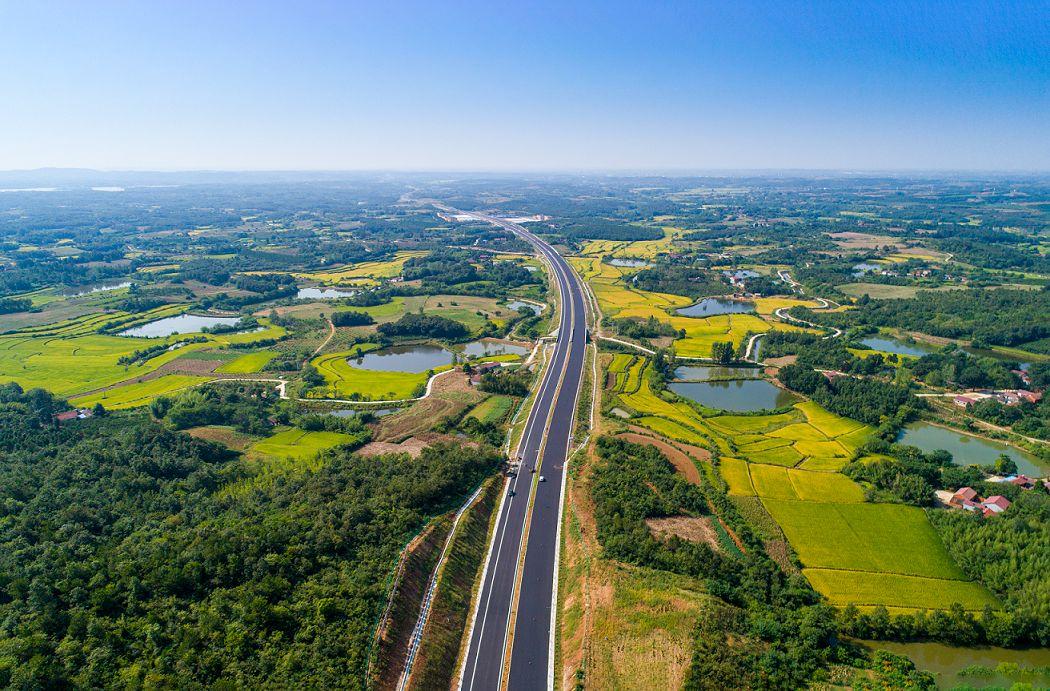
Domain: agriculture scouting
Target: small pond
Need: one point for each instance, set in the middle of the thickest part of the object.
(182, 324)
(709, 307)
(863, 268)
(947, 661)
(322, 294)
(967, 449)
(706, 372)
(98, 289)
(629, 263)
(415, 359)
(486, 348)
(888, 344)
(376, 412)
(515, 305)
(742, 395)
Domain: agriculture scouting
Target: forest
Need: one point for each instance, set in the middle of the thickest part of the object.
(124, 563)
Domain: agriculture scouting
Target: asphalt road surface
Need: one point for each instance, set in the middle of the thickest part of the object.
(544, 445)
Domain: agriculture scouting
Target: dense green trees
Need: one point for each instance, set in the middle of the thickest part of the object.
(352, 318)
(424, 325)
(996, 317)
(124, 563)
(868, 400)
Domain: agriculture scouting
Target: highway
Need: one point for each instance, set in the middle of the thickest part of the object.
(532, 509)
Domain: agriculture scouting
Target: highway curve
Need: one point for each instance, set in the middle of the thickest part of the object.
(544, 445)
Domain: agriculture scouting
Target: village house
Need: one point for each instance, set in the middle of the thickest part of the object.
(994, 504)
(76, 414)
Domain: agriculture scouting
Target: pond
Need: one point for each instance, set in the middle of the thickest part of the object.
(995, 354)
(484, 348)
(99, 289)
(376, 412)
(518, 304)
(706, 372)
(182, 324)
(414, 359)
(322, 294)
(742, 395)
(967, 449)
(888, 344)
(947, 661)
(629, 263)
(863, 268)
(709, 307)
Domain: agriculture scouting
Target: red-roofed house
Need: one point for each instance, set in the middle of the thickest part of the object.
(964, 498)
(995, 504)
(1023, 481)
(66, 416)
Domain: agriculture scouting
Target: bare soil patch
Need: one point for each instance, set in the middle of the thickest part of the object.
(781, 361)
(228, 437)
(692, 528)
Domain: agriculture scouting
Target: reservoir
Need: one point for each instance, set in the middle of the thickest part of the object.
(888, 344)
(741, 395)
(485, 348)
(967, 449)
(322, 294)
(709, 307)
(182, 324)
(708, 372)
(415, 359)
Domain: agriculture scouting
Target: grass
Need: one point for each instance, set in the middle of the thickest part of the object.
(139, 393)
(247, 364)
(298, 445)
(492, 409)
(882, 291)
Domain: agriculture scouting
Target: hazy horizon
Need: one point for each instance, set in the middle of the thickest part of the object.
(546, 88)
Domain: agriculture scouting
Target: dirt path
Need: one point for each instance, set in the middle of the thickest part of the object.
(331, 333)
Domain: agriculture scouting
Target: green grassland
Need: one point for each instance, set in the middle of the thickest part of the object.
(297, 444)
(492, 409)
(851, 550)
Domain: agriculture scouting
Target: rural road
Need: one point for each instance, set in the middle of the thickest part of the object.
(514, 615)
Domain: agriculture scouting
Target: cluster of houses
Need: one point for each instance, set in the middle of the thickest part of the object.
(1008, 397)
(967, 499)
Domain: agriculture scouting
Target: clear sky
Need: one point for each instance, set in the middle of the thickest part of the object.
(490, 85)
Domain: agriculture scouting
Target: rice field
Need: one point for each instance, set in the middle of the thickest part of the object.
(139, 393)
(852, 551)
(493, 409)
(247, 364)
(71, 357)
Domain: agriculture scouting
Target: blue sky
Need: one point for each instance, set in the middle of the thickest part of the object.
(525, 85)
